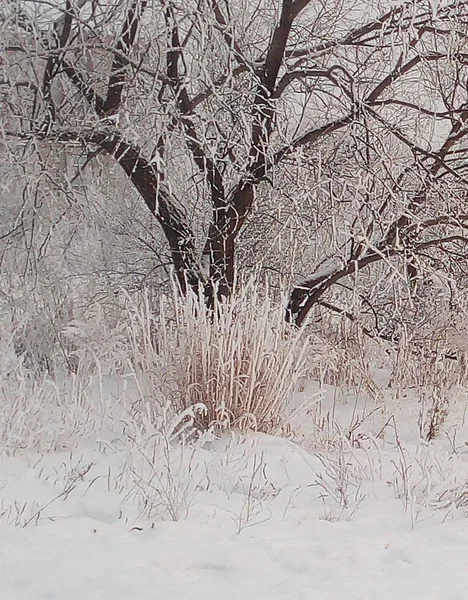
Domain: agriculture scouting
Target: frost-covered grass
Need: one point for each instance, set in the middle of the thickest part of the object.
(119, 479)
(239, 362)
(233, 367)
(144, 516)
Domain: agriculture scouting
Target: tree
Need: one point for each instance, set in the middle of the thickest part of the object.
(208, 105)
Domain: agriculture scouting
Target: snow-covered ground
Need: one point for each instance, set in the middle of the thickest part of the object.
(371, 514)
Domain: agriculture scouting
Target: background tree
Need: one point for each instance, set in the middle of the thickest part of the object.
(333, 131)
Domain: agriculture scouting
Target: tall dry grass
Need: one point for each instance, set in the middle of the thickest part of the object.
(240, 361)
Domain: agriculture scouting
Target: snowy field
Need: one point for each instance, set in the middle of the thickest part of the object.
(362, 510)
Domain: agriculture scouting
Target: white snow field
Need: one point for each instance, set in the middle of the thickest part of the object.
(371, 514)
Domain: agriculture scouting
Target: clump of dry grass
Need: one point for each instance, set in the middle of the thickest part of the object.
(241, 361)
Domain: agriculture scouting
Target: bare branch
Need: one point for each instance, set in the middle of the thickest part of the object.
(124, 46)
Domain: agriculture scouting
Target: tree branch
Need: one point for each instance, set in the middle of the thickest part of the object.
(123, 48)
